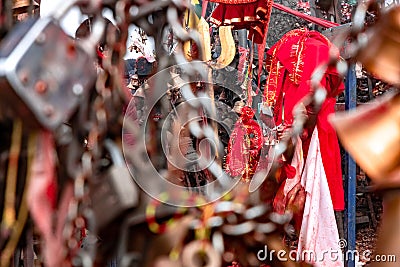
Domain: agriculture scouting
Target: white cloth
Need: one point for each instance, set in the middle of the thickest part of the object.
(298, 164)
(319, 237)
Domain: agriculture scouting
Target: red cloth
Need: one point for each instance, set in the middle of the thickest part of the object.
(42, 200)
(250, 15)
(244, 146)
(294, 58)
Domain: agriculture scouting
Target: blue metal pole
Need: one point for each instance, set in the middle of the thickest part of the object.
(350, 173)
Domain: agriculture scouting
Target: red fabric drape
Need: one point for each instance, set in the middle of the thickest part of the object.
(250, 15)
(244, 146)
(297, 54)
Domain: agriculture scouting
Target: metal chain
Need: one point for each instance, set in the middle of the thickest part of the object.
(316, 97)
(108, 98)
(110, 94)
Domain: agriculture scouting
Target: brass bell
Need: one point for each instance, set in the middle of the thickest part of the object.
(371, 135)
(381, 54)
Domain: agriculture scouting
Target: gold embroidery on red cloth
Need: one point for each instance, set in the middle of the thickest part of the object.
(251, 18)
(298, 62)
(215, 21)
(275, 66)
(235, 20)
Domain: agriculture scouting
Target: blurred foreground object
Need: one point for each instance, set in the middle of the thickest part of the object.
(380, 47)
(372, 134)
(389, 233)
(372, 137)
(43, 72)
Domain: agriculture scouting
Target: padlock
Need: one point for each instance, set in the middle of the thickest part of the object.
(44, 73)
(115, 192)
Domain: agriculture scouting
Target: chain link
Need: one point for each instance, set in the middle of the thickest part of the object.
(110, 96)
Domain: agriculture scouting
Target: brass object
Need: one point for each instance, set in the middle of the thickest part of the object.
(202, 27)
(204, 30)
(139, 93)
(381, 54)
(228, 49)
(238, 106)
(176, 81)
(372, 137)
(387, 250)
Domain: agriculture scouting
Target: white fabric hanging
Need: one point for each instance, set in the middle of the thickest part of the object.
(319, 236)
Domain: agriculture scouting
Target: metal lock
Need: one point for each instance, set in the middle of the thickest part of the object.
(43, 72)
(115, 192)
